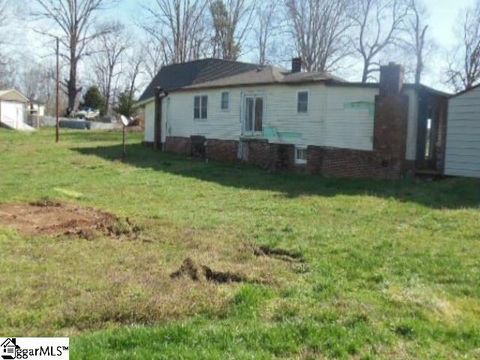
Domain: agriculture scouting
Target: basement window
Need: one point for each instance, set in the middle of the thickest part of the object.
(302, 102)
(225, 100)
(200, 107)
(300, 155)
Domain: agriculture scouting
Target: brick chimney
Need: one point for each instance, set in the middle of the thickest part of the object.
(296, 65)
(391, 79)
(391, 119)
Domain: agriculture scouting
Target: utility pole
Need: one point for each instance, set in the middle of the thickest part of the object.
(57, 127)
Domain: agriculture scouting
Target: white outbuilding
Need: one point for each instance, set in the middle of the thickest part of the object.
(463, 134)
(13, 111)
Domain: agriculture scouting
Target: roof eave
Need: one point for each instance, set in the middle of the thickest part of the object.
(464, 91)
(144, 102)
(266, 83)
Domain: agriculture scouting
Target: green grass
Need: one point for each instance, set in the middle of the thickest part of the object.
(392, 268)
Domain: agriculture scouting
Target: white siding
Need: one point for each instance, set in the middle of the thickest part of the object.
(463, 135)
(12, 114)
(220, 124)
(149, 121)
(329, 121)
(337, 116)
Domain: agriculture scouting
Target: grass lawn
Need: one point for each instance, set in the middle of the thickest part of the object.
(391, 271)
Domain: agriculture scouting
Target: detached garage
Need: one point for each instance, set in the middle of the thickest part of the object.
(463, 134)
(13, 110)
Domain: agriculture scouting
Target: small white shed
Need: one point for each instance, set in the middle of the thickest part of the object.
(13, 110)
(462, 156)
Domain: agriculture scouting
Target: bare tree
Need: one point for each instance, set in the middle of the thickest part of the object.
(3, 61)
(231, 24)
(416, 41)
(154, 57)
(7, 72)
(319, 29)
(267, 25)
(73, 21)
(109, 48)
(3, 13)
(464, 68)
(179, 27)
(136, 65)
(378, 25)
(37, 81)
(132, 81)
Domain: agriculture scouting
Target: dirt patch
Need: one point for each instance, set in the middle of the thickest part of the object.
(281, 254)
(204, 273)
(57, 219)
(188, 269)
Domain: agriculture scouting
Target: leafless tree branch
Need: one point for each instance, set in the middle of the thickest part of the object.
(319, 29)
(73, 21)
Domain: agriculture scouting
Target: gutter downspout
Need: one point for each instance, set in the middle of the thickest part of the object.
(160, 94)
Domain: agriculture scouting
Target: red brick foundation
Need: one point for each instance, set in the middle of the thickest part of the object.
(274, 157)
(222, 150)
(259, 153)
(178, 145)
(347, 163)
(325, 161)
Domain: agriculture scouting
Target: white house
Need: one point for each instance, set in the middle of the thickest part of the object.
(235, 107)
(13, 111)
(36, 108)
(463, 134)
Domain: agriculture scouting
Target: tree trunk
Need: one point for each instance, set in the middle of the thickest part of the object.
(72, 81)
(107, 93)
(418, 72)
(72, 87)
(366, 65)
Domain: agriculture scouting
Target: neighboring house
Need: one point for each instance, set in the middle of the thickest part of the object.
(13, 111)
(463, 134)
(281, 119)
(36, 108)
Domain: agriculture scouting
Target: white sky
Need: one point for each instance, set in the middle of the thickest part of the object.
(443, 15)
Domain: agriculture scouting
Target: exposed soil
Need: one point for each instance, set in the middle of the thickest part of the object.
(188, 269)
(203, 273)
(57, 219)
(281, 254)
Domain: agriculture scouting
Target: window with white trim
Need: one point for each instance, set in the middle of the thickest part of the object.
(200, 107)
(300, 155)
(225, 100)
(302, 102)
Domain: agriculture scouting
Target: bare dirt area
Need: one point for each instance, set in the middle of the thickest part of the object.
(278, 253)
(195, 272)
(62, 219)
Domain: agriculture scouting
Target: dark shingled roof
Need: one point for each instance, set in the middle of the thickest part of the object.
(176, 76)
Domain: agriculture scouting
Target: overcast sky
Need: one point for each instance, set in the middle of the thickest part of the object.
(443, 15)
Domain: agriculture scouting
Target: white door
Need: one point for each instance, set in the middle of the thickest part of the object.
(19, 117)
(253, 115)
(12, 114)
